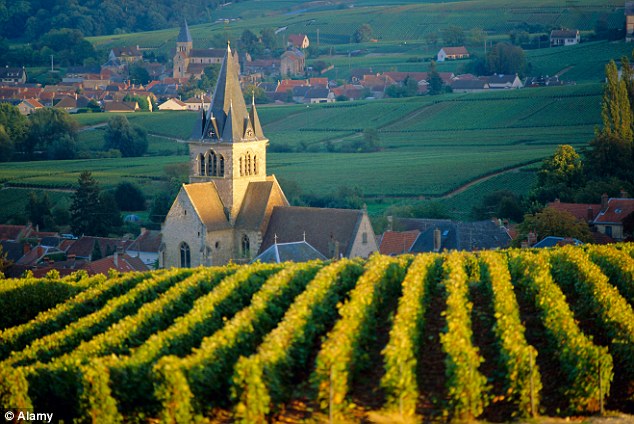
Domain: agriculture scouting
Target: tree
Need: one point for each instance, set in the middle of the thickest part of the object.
(64, 147)
(85, 211)
(4, 262)
(453, 36)
(505, 58)
(269, 38)
(616, 112)
(499, 204)
(139, 75)
(130, 140)
(362, 34)
(553, 222)
(249, 42)
(47, 126)
(129, 197)
(38, 209)
(559, 175)
(435, 82)
(13, 129)
(160, 207)
(110, 214)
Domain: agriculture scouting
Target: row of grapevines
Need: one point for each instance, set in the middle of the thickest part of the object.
(152, 317)
(26, 297)
(617, 265)
(131, 375)
(579, 358)
(264, 377)
(401, 353)
(522, 379)
(466, 385)
(63, 341)
(598, 299)
(55, 319)
(207, 371)
(341, 355)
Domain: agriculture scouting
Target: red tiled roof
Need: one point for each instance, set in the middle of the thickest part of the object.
(296, 39)
(395, 242)
(148, 241)
(600, 238)
(13, 232)
(579, 210)
(400, 76)
(450, 51)
(618, 209)
(289, 84)
(122, 263)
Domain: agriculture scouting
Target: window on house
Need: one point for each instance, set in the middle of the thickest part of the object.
(246, 246)
(201, 164)
(364, 238)
(608, 230)
(221, 167)
(186, 259)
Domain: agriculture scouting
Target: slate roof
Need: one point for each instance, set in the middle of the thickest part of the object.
(551, 241)
(259, 200)
(397, 242)
(618, 209)
(469, 85)
(209, 208)
(467, 236)
(299, 251)
(564, 33)
(122, 263)
(227, 118)
(323, 227)
(13, 250)
(184, 36)
(317, 93)
(148, 241)
(126, 51)
(296, 39)
(629, 8)
(215, 53)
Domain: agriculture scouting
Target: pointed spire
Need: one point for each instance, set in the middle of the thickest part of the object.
(255, 119)
(184, 36)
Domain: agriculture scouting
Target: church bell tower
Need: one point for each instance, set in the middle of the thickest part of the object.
(227, 146)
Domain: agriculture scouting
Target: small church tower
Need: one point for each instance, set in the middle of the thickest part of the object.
(184, 45)
(224, 211)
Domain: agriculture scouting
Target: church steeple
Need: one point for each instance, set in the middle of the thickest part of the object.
(228, 96)
(184, 36)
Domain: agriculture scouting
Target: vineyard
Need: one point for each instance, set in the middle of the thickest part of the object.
(492, 335)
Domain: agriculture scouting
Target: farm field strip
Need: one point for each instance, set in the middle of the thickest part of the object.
(294, 319)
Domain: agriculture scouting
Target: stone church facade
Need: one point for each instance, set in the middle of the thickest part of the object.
(223, 214)
(190, 62)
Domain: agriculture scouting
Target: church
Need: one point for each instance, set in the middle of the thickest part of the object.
(231, 210)
(190, 62)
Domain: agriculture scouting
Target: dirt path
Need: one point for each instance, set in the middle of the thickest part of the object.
(471, 183)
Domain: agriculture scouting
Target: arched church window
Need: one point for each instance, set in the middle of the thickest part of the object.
(255, 165)
(241, 167)
(214, 163)
(246, 246)
(248, 164)
(221, 166)
(186, 259)
(201, 165)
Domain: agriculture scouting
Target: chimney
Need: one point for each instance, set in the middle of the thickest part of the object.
(390, 223)
(336, 250)
(115, 259)
(604, 202)
(437, 240)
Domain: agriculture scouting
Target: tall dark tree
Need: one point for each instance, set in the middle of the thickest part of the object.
(85, 210)
(129, 197)
(453, 36)
(6, 145)
(38, 209)
(435, 82)
(128, 139)
(13, 130)
(362, 34)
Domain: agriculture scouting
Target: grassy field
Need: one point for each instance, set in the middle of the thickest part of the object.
(431, 145)
(390, 20)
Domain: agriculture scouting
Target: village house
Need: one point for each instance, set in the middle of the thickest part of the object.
(232, 209)
(614, 211)
(173, 104)
(13, 75)
(28, 106)
(299, 41)
(499, 81)
(564, 37)
(126, 54)
(452, 53)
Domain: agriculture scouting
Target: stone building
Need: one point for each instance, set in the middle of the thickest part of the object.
(223, 214)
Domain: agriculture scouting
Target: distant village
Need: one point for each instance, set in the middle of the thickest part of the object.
(109, 88)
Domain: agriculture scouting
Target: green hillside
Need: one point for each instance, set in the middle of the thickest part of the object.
(496, 336)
